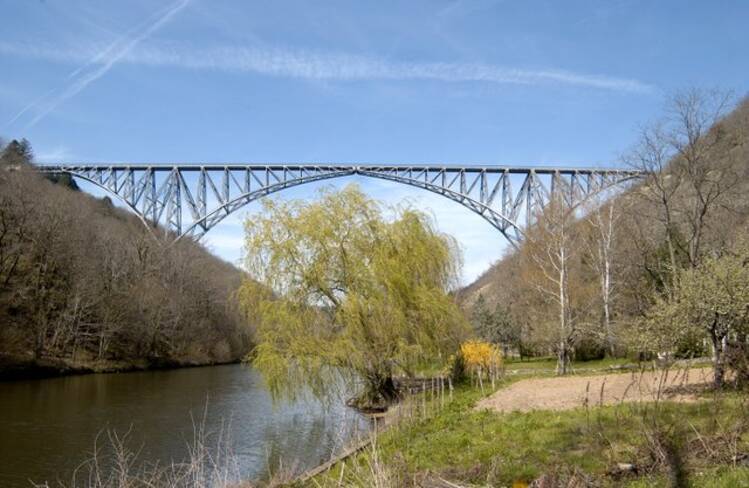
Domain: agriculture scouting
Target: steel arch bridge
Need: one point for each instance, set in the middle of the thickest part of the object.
(189, 200)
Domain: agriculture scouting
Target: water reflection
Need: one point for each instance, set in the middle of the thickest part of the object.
(48, 427)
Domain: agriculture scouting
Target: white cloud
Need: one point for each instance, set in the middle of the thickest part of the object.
(97, 65)
(322, 65)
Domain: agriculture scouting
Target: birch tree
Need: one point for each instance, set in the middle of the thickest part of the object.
(549, 249)
(601, 224)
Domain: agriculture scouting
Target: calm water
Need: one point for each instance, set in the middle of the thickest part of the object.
(48, 427)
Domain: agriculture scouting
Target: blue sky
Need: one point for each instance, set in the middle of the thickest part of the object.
(449, 81)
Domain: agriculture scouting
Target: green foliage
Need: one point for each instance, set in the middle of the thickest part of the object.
(341, 290)
(722, 477)
(691, 346)
(587, 349)
(657, 263)
(455, 368)
(716, 294)
(709, 300)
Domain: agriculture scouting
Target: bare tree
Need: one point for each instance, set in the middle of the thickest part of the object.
(549, 250)
(701, 145)
(601, 227)
(652, 156)
(80, 279)
(687, 176)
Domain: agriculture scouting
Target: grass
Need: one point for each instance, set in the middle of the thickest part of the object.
(546, 364)
(550, 364)
(722, 477)
(719, 477)
(487, 448)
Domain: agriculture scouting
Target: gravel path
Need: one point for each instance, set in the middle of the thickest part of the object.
(575, 391)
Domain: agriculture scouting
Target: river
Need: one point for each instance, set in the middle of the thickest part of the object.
(49, 426)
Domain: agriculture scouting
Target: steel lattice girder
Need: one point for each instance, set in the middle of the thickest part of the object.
(189, 200)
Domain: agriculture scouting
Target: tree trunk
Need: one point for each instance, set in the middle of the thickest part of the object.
(606, 285)
(379, 393)
(606, 232)
(562, 358)
(718, 363)
(672, 259)
(607, 327)
(562, 351)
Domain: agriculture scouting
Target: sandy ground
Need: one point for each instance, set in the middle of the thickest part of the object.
(575, 391)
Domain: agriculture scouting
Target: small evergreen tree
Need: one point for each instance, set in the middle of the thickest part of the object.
(481, 318)
(497, 326)
(17, 153)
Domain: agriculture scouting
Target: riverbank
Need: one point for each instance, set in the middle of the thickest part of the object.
(15, 368)
(462, 444)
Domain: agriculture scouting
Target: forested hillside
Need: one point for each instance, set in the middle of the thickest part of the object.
(590, 280)
(85, 286)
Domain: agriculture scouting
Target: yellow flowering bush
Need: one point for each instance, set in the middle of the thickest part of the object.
(481, 357)
(480, 354)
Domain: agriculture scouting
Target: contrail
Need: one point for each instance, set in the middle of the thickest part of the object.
(100, 57)
(29, 107)
(326, 65)
(102, 62)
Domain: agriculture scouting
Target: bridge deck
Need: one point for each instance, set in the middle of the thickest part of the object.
(468, 168)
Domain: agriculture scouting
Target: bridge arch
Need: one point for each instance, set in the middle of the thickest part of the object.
(495, 219)
(190, 200)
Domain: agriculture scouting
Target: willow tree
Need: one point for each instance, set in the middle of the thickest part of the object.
(341, 289)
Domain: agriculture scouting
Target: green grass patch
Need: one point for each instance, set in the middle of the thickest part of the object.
(550, 364)
(487, 447)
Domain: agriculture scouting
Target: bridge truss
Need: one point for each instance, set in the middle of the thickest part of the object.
(189, 200)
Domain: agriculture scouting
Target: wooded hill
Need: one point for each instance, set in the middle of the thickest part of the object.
(585, 279)
(85, 286)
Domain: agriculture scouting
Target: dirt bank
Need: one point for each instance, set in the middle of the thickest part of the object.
(576, 391)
